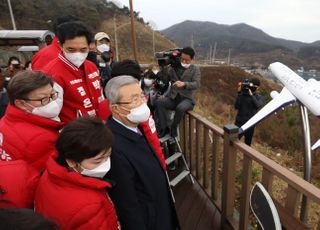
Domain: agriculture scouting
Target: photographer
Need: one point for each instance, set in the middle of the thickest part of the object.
(104, 56)
(14, 66)
(247, 103)
(185, 79)
(147, 83)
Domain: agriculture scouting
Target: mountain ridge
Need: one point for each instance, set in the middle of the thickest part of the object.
(240, 39)
(242, 30)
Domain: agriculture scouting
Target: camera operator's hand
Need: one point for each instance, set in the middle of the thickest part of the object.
(159, 96)
(179, 84)
(250, 92)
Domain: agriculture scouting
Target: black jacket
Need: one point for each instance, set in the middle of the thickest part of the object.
(247, 106)
(141, 193)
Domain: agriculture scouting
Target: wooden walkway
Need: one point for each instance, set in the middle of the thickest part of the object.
(195, 210)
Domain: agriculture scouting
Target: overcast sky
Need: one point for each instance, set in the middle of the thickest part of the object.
(290, 19)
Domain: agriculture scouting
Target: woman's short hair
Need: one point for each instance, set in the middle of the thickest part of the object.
(24, 82)
(126, 67)
(83, 138)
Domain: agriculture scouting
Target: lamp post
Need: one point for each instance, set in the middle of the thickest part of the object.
(11, 15)
(115, 37)
(133, 33)
(153, 26)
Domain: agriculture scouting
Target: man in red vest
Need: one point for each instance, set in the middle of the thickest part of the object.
(77, 78)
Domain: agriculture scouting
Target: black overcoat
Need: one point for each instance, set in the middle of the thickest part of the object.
(141, 192)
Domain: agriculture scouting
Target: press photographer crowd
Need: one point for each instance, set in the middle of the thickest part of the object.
(79, 133)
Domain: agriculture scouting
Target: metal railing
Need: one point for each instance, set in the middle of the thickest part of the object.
(213, 156)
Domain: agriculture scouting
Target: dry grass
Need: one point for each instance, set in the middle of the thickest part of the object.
(278, 137)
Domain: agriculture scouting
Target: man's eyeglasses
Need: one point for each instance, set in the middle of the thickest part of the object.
(45, 100)
(135, 99)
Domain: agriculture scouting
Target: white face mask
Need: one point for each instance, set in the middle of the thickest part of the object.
(185, 65)
(103, 48)
(148, 82)
(50, 110)
(155, 71)
(76, 58)
(139, 114)
(100, 171)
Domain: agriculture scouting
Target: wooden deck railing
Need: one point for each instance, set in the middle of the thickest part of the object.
(212, 153)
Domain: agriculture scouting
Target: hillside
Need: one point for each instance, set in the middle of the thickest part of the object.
(281, 131)
(242, 40)
(98, 15)
(143, 36)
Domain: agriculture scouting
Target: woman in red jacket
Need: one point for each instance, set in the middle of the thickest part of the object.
(30, 127)
(71, 191)
(18, 182)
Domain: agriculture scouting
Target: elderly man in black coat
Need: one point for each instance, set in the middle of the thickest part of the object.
(141, 193)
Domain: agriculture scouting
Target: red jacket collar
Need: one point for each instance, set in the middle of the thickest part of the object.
(63, 176)
(67, 62)
(15, 114)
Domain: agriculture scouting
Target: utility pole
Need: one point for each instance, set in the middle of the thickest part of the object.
(153, 43)
(229, 56)
(214, 52)
(192, 42)
(115, 37)
(153, 26)
(133, 33)
(210, 54)
(11, 15)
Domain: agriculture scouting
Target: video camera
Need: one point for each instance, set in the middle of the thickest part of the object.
(161, 81)
(170, 57)
(246, 85)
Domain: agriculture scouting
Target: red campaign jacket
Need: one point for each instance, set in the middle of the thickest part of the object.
(74, 201)
(82, 93)
(18, 182)
(25, 136)
(45, 55)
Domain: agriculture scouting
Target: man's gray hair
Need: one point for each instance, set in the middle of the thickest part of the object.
(112, 88)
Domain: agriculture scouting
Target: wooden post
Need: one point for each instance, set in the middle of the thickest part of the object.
(191, 139)
(182, 135)
(245, 193)
(292, 200)
(214, 167)
(186, 138)
(267, 179)
(205, 158)
(198, 151)
(228, 176)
